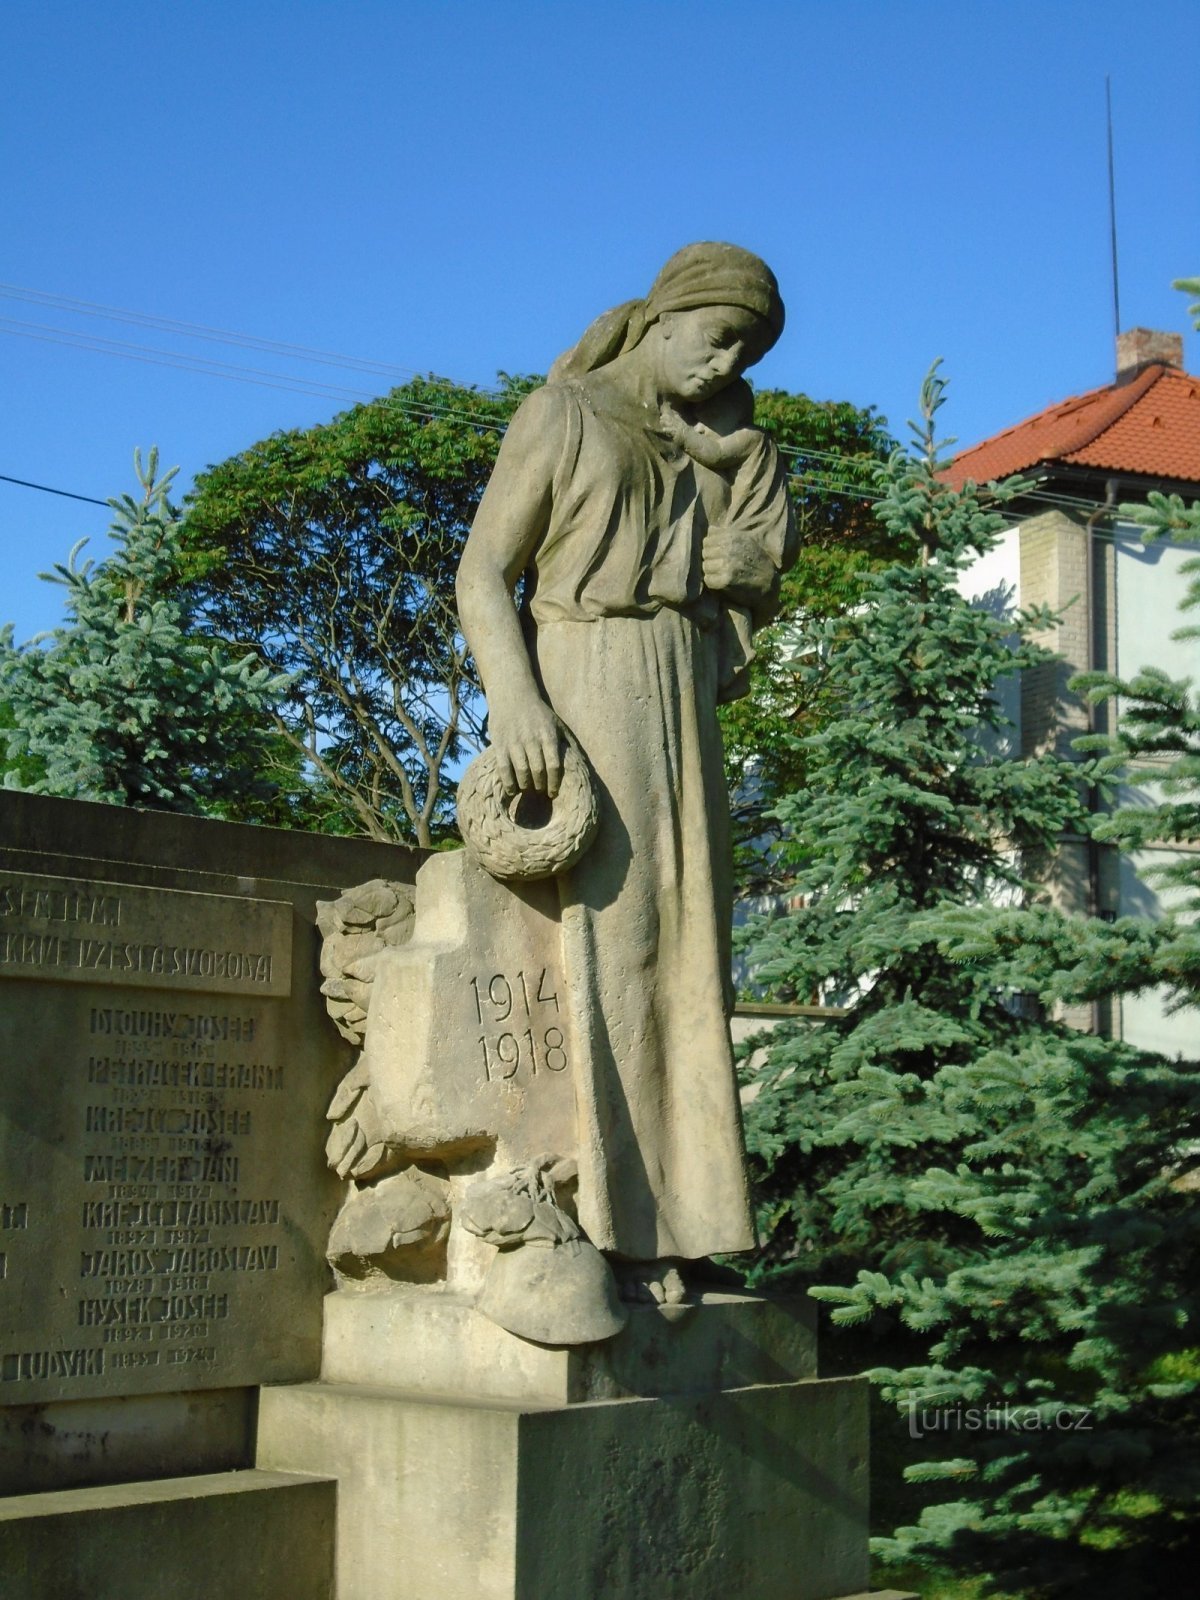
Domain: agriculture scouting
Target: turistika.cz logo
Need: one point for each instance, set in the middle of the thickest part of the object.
(997, 1419)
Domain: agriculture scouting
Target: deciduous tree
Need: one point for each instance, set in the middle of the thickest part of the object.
(330, 552)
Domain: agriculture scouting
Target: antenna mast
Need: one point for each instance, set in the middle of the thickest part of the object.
(1112, 210)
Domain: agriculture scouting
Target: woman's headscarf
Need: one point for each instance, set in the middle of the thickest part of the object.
(698, 275)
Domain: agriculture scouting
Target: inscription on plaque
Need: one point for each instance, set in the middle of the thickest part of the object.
(149, 1183)
(70, 930)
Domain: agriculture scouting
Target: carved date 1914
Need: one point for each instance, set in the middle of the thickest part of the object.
(502, 1000)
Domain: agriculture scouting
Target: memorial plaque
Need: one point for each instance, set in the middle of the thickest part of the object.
(156, 1207)
(78, 931)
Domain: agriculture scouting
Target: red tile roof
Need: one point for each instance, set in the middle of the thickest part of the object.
(1149, 425)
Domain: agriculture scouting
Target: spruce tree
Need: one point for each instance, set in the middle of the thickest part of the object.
(126, 703)
(832, 449)
(994, 1195)
(911, 801)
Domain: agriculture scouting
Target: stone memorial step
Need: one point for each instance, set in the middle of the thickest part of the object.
(257, 1535)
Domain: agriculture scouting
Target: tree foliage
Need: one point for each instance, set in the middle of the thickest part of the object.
(331, 553)
(1157, 742)
(832, 449)
(24, 768)
(125, 703)
(993, 1196)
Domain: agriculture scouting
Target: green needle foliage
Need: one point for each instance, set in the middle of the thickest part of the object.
(911, 802)
(126, 703)
(833, 449)
(24, 769)
(1157, 750)
(991, 1197)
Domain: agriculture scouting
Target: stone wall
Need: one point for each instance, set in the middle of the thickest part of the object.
(165, 1064)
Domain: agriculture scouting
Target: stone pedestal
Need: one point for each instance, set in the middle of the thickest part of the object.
(693, 1457)
(434, 1344)
(254, 1535)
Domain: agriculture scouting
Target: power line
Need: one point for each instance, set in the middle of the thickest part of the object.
(199, 330)
(819, 481)
(298, 384)
(156, 356)
(46, 489)
(295, 383)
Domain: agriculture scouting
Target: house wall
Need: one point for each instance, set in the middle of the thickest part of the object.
(993, 582)
(1119, 621)
(1118, 618)
(1149, 584)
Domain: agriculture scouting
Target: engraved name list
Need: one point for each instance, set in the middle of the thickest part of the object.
(144, 1184)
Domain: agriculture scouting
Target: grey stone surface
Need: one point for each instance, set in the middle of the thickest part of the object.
(561, 1294)
(147, 1145)
(232, 1536)
(563, 1032)
(436, 1345)
(464, 1086)
(467, 1051)
(356, 928)
(189, 852)
(164, 1207)
(120, 1440)
(96, 931)
(758, 1492)
(523, 837)
(652, 543)
(394, 1228)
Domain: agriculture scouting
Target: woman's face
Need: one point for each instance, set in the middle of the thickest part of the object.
(701, 351)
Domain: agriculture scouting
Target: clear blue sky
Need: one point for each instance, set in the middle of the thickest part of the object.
(458, 187)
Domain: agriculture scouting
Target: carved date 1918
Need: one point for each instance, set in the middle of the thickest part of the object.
(503, 1000)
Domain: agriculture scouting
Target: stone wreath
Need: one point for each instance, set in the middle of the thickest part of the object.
(496, 830)
(356, 929)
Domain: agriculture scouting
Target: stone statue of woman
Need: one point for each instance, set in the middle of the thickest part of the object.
(648, 552)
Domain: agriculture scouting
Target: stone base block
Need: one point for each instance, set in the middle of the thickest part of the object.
(420, 1342)
(253, 1535)
(758, 1492)
(74, 1444)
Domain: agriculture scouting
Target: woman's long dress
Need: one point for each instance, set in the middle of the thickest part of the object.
(627, 645)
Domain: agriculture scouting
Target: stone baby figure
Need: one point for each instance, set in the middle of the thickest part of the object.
(725, 441)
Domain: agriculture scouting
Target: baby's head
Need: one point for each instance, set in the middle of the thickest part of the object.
(729, 409)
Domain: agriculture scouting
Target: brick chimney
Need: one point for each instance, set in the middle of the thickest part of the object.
(1143, 347)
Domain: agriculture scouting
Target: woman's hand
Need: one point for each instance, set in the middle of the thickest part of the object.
(528, 746)
(736, 561)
